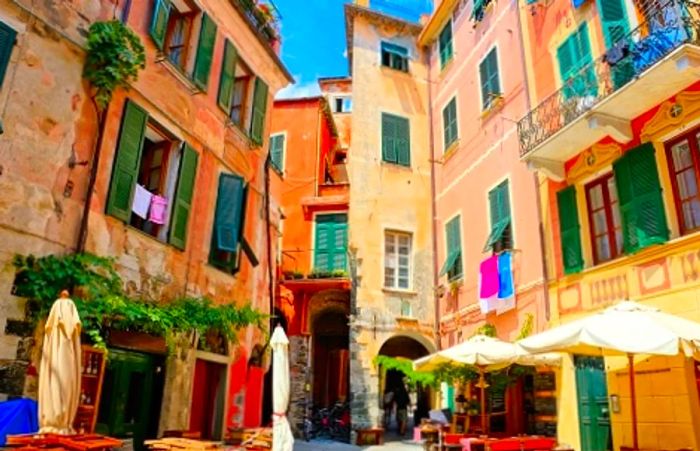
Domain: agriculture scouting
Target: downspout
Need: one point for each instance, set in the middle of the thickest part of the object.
(270, 274)
(538, 200)
(433, 208)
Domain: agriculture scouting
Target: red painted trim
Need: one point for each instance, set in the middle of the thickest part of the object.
(610, 224)
(695, 152)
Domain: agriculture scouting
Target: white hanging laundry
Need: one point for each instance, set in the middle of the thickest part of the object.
(141, 202)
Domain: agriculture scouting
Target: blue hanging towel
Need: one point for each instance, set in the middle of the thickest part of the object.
(506, 288)
(18, 416)
(578, 3)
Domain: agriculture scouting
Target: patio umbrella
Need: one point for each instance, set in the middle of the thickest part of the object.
(282, 439)
(486, 354)
(625, 329)
(59, 369)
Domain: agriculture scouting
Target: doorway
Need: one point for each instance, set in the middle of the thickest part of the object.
(331, 367)
(131, 396)
(208, 399)
(593, 410)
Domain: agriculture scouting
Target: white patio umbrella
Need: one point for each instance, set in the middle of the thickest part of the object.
(486, 354)
(59, 369)
(282, 438)
(624, 329)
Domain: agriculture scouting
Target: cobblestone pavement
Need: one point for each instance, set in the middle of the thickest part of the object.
(318, 445)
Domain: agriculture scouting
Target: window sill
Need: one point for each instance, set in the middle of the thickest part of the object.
(222, 270)
(395, 71)
(446, 67)
(450, 151)
(495, 106)
(399, 166)
(243, 134)
(178, 73)
(399, 291)
(148, 235)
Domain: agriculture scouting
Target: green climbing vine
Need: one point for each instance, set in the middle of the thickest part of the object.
(97, 291)
(114, 56)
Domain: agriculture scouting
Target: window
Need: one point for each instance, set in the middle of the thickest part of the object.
(227, 237)
(445, 45)
(489, 77)
(171, 28)
(257, 116)
(449, 123)
(569, 230)
(397, 260)
(573, 55)
(501, 236)
(7, 42)
(246, 111)
(149, 169)
(331, 242)
(342, 104)
(242, 85)
(277, 143)
(394, 56)
(604, 219)
(684, 163)
(406, 309)
(453, 243)
(396, 140)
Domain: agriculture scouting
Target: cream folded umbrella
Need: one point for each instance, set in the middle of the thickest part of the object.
(282, 438)
(486, 354)
(59, 368)
(624, 329)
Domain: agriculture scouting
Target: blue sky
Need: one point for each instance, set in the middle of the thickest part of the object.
(313, 37)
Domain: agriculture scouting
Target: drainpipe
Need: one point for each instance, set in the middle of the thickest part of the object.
(540, 225)
(268, 237)
(433, 208)
(83, 231)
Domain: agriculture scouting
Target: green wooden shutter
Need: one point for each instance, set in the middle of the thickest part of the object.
(499, 208)
(613, 20)
(205, 51)
(641, 199)
(488, 76)
(159, 22)
(229, 212)
(445, 44)
(340, 243)
(277, 151)
(182, 205)
(7, 42)
(449, 122)
(456, 244)
(228, 76)
(566, 58)
(570, 230)
(388, 138)
(257, 124)
(403, 141)
(322, 244)
(127, 161)
(586, 84)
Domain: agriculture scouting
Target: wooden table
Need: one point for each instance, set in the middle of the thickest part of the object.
(78, 442)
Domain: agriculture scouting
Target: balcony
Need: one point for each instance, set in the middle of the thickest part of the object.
(652, 63)
(298, 274)
(262, 17)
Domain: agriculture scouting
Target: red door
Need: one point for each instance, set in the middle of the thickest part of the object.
(208, 394)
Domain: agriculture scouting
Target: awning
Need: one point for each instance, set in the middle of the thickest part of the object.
(450, 261)
(496, 233)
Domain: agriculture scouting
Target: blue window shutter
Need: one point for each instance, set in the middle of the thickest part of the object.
(229, 212)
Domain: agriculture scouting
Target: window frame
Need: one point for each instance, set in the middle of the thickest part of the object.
(487, 104)
(507, 240)
(399, 53)
(189, 21)
(616, 249)
(446, 145)
(444, 62)
(225, 261)
(407, 121)
(342, 98)
(315, 268)
(451, 275)
(246, 105)
(692, 136)
(395, 236)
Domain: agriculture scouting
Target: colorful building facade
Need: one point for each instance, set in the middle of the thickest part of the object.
(193, 130)
(389, 221)
(612, 132)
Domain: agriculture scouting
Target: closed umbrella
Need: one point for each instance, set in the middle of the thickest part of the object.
(625, 329)
(486, 354)
(282, 438)
(59, 369)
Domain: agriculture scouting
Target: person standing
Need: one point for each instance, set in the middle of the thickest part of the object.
(402, 401)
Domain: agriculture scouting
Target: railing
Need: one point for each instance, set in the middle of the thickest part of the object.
(263, 17)
(666, 27)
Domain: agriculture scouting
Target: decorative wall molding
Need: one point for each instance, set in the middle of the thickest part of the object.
(672, 115)
(592, 160)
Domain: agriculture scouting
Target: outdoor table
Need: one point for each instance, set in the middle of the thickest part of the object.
(77, 442)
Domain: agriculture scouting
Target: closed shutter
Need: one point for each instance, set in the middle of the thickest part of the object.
(388, 138)
(488, 73)
(331, 242)
(257, 124)
(396, 140)
(182, 205)
(205, 51)
(569, 230)
(229, 212)
(7, 42)
(445, 44)
(641, 199)
(566, 58)
(340, 242)
(613, 20)
(227, 78)
(277, 151)
(449, 122)
(322, 247)
(403, 141)
(127, 161)
(573, 55)
(159, 22)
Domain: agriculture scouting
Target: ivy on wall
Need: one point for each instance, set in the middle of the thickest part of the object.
(97, 291)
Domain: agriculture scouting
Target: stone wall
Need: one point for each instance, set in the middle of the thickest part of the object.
(300, 374)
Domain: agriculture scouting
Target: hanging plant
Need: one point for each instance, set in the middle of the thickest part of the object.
(115, 55)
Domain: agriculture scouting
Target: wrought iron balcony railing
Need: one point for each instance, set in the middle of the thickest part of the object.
(262, 17)
(666, 27)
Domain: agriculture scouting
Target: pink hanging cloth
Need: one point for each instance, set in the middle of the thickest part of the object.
(159, 206)
(488, 283)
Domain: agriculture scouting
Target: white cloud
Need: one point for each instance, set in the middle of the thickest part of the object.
(299, 89)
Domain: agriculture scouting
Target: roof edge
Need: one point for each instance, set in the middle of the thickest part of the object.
(437, 20)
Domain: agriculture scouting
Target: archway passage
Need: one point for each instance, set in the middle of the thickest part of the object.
(396, 390)
(330, 358)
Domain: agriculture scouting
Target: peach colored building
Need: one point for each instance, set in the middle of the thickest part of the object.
(613, 133)
(484, 198)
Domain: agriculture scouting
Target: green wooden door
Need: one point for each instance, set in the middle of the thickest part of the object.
(593, 411)
(127, 395)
